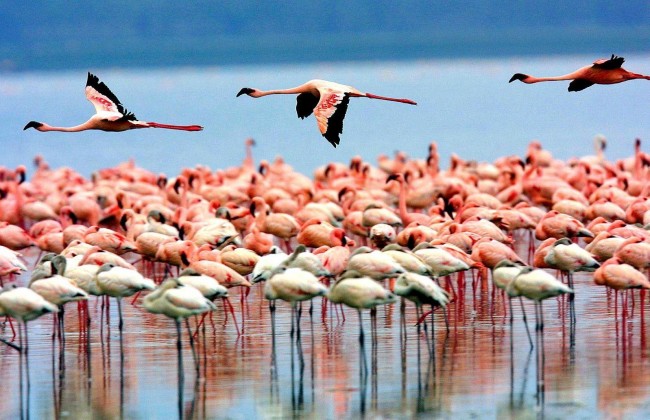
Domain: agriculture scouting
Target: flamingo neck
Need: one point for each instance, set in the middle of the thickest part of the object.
(402, 202)
(533, 79)
(76, 128)
(260, 93)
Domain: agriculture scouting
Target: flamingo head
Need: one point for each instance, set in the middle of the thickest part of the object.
(247, 91)
(33, 124)
(519, 76)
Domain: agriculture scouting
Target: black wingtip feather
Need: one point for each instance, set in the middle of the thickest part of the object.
(615, 62)
(305, 104)
(579, 84)
(335, 122)
(93, 81)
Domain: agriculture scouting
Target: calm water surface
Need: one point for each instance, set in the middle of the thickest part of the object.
(472, 372)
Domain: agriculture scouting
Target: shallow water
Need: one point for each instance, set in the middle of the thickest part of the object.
(472, 372)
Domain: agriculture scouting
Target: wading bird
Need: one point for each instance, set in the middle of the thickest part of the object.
(327, 100)
(602, 72)
(111, 114)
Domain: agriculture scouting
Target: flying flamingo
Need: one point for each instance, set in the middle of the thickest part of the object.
(111, 114)
(327, 100)
(602, 71)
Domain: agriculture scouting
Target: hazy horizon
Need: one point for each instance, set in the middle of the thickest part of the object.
(42, 35)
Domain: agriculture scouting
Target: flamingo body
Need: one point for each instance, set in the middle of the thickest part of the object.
(601, 72)
(110, 114)
(328, 101)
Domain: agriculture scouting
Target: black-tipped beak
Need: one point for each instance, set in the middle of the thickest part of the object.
(517, 76)
(33, 124)
(246, 91)
(391, 177)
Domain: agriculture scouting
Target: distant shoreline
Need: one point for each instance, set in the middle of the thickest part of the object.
(187, 51)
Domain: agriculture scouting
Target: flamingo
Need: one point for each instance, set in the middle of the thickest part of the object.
(360, 292)
(502, 275)
(603, 72)
(618, 275)
(176, 301)
(382, 235)
(267, 264)
(421, 290)
(536, 284)
(23, 304)
(111, 114)
(120, 282)
(327, 100)
(293, 285)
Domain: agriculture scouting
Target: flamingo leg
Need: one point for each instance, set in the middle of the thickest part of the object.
(232, 312)
(523, 314)
(181, 375)
(196, 359)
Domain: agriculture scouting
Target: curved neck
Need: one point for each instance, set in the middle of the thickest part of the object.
(76, 128)
(403, 213)
(298, 89)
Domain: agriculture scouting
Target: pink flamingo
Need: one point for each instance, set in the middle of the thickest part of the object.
(111, 114)
(602, 72)
(327, 100)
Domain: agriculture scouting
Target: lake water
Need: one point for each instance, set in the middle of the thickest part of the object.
(467, 106)
(597, 369)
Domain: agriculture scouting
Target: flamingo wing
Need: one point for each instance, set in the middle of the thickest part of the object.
(105, 102)
(612, 63)
(579, 84)
(305, 104)
(329, 113)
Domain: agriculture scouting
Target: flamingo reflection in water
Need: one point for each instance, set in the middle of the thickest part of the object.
(537, 285)
(24, 305)
(359, 292)
(178, 302)
(293, 285)
(422, 290)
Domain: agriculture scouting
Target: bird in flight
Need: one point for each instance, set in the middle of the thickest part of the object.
(110, 115)
(602, 72)
(327, 100)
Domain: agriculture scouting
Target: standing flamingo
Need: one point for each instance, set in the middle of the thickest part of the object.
(120, 282)
(327, 100)
(178, 302)
(537, 285)
(23, 304)
(421, 290)
(293, 285)
(603, 72)
(111, 114)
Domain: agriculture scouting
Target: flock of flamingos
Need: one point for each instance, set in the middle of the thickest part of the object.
(357, 234)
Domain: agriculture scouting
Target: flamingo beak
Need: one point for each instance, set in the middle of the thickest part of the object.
(246, 91)
(33, 124)
(518, 76)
